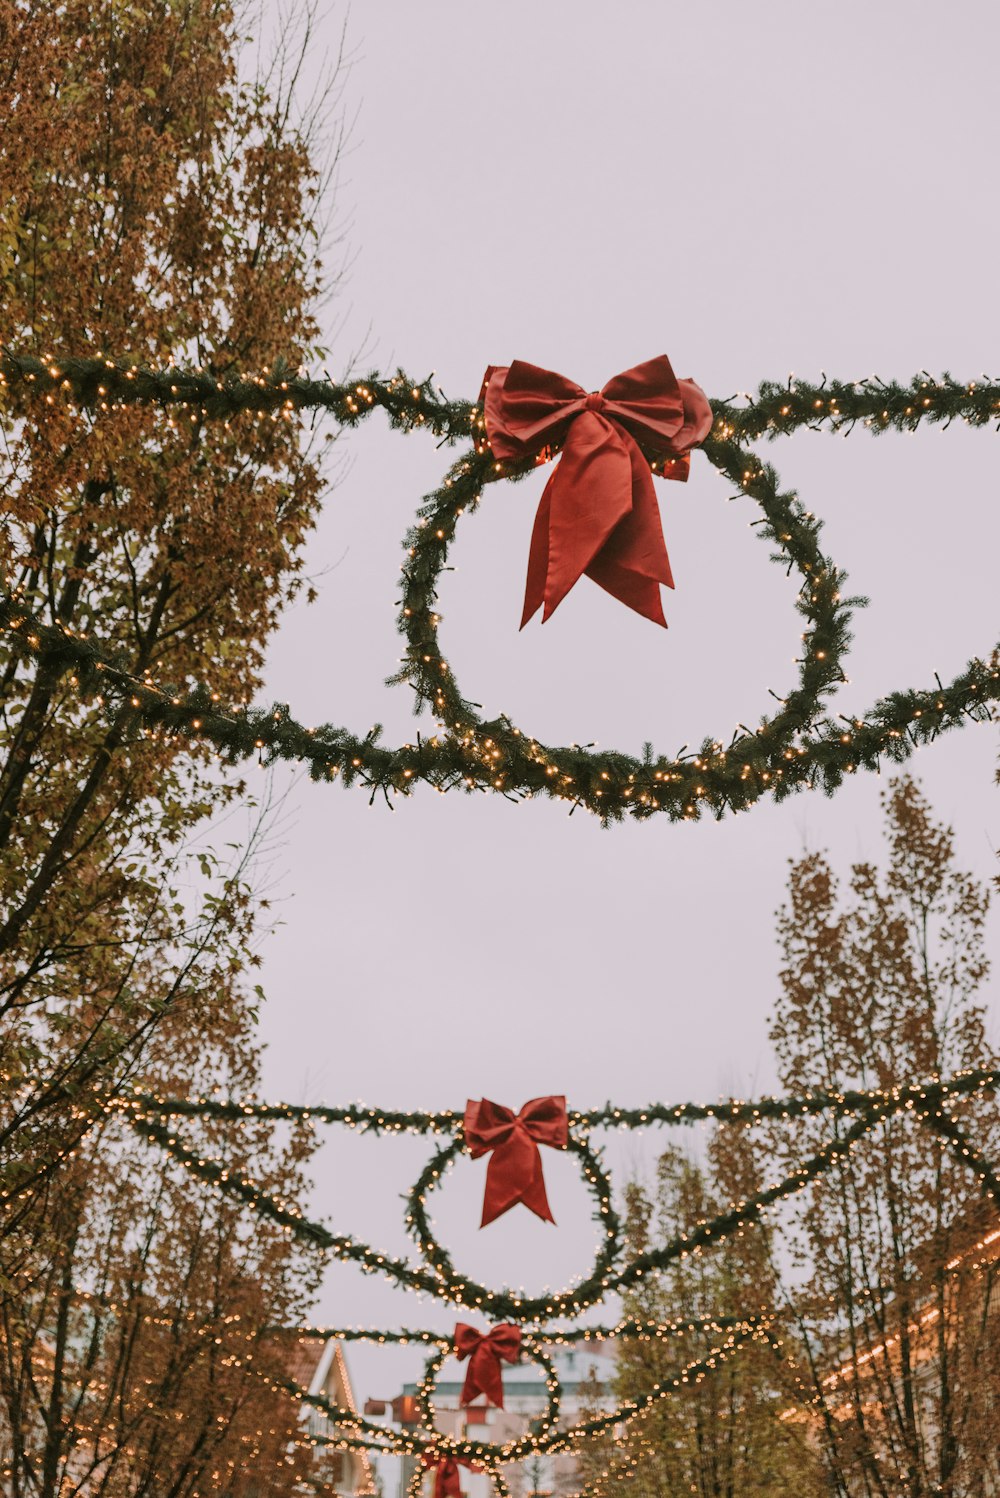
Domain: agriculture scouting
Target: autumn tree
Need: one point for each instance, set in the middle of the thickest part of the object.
(139, 1355)
(885, 1255)
(878, 1282)
(157, 203)
(154, 205)
(724, 1434)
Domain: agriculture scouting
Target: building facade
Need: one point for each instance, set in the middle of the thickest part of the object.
(582, 1372)
(318, 1366)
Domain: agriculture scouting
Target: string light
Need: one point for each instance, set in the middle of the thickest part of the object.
(797, 747)
(927, 1102)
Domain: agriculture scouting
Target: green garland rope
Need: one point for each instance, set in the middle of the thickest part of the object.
(443, 1282)
(548, 1439)
(929, 1103)
(794, 748)
(609, 1116)
(643, 1331)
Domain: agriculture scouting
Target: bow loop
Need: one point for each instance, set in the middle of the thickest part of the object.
(598, 514)
(514, 1173)
(527, 408)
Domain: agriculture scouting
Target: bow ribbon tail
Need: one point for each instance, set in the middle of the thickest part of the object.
(514, 1175)
(538, 558)
(483, 1377)
(447, 1483)
(472, 1385)
(446, 1479)
(633, 562)
(589, 493)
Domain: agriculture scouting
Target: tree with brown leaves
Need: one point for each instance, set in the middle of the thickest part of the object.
(881, 1375)
(723, 1435)
(894, 1319)
(155, 204)
(139, 1354)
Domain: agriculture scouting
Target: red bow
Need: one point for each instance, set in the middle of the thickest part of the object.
(447, 1483)
(598, 513)
(484, 1352)
(514, 1173)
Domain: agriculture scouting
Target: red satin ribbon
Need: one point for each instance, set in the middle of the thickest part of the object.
(484, 1351)
(598, 514)
(514, 1173)
(447, 1483)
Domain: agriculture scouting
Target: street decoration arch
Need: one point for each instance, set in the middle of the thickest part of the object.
(799, 746)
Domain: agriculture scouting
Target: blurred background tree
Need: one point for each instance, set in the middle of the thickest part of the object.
(139, 1355)
(894, 1314)
(879, 1281)
(725, 1434)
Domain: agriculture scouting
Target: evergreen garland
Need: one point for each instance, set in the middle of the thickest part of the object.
(929, 1103)
(797, 747)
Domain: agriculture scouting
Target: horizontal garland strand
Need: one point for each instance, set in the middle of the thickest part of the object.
(555, 1440)
(106, 385)
(640, 1330)
(449, 1121)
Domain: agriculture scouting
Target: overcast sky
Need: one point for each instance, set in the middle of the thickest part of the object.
(751, 190)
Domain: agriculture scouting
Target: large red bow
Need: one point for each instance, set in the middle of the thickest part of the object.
(447, 1483)
(484, 1352)
(598, 513)
(514, 1173)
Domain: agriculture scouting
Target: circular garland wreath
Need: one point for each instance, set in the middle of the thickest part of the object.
(854, 1115)
(798, 746)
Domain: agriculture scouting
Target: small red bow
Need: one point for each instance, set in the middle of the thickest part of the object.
(447, 1483)
(484, 1352)
(598, 514)
(514, 1173)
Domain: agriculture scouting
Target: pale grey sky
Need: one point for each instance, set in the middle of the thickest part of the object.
(751, 190)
